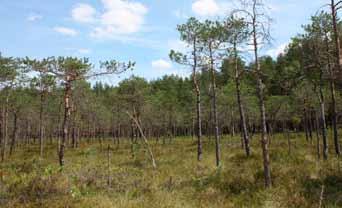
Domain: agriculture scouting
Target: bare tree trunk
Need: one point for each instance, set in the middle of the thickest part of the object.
(5, 124)
(323, 121)
(109, 179)
(41, 125)
(232, 123)
(14, 134)
(240, 104)
(198, 104)
(305, 122)
(199, 124)
(332, 73)
(137, 123)
(334, 8)
(67, 113)
(260, 89)
(216, 128)
(318, 146)
(310, 126)
(334, 118)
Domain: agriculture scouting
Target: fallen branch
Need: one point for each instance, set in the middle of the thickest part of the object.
(144, 139)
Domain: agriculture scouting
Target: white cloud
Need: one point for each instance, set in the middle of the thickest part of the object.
(211, 8)
(34, 17)
(205, 7)
(161, 65)
(276, 51)
(66, 31)
(120, 17)
(83, 13)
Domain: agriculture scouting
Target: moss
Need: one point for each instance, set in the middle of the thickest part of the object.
(179, 181)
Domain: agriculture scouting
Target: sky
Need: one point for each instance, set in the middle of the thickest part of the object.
(143, 31)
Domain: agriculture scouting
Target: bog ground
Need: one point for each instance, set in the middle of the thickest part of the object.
(88, 180)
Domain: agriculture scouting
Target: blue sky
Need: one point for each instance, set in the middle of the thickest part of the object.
(139, 30)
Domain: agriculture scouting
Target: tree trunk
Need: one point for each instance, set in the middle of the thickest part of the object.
(318, 146)
(5, 131)
(198, 104)
(14, 134)
(260, 89)
(216, 128)
(323, 122)
(67, 113)
(332, 73)
(149, 150)
(199, 124)
(240, 105)
(334, 118)
(41, 124)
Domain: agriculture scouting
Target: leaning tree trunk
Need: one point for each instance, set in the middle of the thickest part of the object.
(216, 128)
(260, 89)
(67, 113)
(240, 104)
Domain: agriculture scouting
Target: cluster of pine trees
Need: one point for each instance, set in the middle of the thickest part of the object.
(50, 101)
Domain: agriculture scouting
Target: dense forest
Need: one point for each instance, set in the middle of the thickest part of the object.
(51, 109)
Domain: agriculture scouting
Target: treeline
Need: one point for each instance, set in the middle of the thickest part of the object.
(50, 101)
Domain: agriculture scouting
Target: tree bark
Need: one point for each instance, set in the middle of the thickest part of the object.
(332, 73)
(214, 105)
(14, 134)
(334, 118)
(5, 131)
(41, 124)
(240, 104)
(323, 121)
(67, 113)
(260, 89)
(318, 146)
(198, 104)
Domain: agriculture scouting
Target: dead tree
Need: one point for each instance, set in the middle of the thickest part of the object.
(255, 17)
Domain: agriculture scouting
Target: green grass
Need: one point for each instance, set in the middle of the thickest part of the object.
(179, 181)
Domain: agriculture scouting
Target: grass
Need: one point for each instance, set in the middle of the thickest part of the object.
(179, 181)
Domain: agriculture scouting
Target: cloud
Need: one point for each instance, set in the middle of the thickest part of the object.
(120, 17)
(205, 7)
(278, 50)
(161, 65)
(83, 13)
(66, 31)
(34, 17)
(212, 8)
